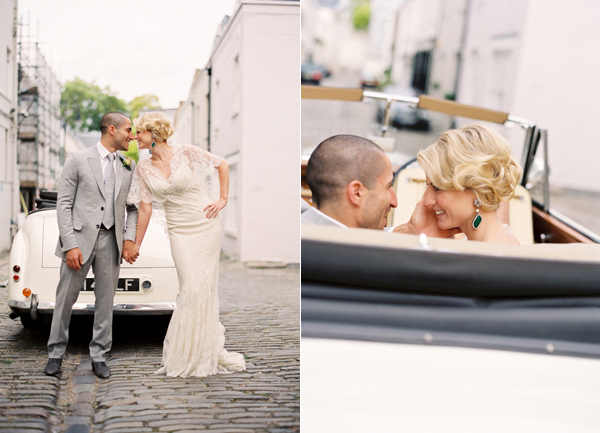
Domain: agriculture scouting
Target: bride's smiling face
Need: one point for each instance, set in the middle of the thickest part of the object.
(144, 139)
(452, 208)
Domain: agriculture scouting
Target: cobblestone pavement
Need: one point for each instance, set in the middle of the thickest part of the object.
(260, 309)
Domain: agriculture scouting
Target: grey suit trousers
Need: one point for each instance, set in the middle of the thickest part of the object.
(105, 263)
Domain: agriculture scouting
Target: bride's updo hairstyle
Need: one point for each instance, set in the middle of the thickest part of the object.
(474, 157)
(155, 122)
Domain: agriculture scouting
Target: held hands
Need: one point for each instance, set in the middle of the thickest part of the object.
(130, 251)
(213, 209)
(74, 259)
(423, 220)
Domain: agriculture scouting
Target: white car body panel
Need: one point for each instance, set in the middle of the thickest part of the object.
(356, 386)
(33, 250)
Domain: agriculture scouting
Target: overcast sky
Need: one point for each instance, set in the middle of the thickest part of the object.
(132, 46)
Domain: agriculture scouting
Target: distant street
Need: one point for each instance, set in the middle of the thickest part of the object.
(322, 119)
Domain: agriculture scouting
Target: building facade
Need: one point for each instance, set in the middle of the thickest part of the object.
(245, 107)
(8, 118)
(529, 58)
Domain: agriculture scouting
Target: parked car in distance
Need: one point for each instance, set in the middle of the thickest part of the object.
(368, 80)
(147, 287)
(403, 115)
(312, 73)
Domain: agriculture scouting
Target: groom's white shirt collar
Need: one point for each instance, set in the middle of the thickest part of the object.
(103, 151)
(313, 214)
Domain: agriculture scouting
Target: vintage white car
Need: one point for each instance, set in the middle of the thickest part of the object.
(148, 287)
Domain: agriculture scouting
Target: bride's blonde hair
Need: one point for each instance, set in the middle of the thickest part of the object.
(155, 122)
(474, 157)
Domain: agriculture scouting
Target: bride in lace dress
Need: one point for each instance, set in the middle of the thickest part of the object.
(176, 178)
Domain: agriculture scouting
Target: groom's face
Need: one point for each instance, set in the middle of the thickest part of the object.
(123, 135)
(380, 199)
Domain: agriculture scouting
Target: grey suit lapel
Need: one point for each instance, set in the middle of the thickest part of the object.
(119, 172)
(94, 160)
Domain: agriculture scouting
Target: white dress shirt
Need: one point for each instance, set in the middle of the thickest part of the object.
(104, 159)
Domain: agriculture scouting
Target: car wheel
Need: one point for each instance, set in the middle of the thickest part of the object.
(29, 323)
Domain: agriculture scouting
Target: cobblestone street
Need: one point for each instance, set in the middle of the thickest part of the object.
(260, 309)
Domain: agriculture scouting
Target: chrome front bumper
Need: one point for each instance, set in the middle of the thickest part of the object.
(33, 307)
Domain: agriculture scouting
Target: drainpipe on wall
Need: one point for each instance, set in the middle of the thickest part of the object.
(209, 72)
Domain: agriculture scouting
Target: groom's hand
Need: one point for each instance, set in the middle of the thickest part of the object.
(74, 259)
(130, 251)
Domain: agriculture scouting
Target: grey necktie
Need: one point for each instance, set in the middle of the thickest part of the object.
(109, 190)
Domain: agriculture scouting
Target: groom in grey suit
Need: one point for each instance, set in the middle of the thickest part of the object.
(91, 209)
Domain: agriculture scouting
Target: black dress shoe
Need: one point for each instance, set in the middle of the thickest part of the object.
(100, 369)
(53, 366)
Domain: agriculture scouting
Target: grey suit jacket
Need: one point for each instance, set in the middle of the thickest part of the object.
(80, 204)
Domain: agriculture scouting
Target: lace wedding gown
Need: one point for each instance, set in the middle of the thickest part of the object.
(195, 338)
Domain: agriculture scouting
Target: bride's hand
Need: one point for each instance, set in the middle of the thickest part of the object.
(424, 220)
(213, 209)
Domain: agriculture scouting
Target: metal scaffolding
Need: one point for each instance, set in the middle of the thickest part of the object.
(40, 135)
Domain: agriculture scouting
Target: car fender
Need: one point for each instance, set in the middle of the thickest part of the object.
(19, 255)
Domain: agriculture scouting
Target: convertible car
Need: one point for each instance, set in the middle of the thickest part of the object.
(409, 333)
(148, 286)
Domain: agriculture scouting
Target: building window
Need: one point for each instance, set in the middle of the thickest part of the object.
(420, 70)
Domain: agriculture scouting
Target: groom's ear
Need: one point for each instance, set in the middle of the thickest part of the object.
(355, 192)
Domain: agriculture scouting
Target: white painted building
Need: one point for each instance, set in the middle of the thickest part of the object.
(531, 58)
(418, 26)
(557, 86)
(329, 37)
(246, 109)
(382, 30)
(191, 117)
(9, 176)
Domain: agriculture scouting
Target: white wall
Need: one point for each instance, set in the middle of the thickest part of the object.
(8, 179)
(559, 89)
(493, 51)
(381, 34)
(255, 126)
(191, 121)
(418, 27)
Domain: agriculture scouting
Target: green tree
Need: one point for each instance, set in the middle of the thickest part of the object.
(361, 14)
(133, 151)
(144, 102)
(83, 104)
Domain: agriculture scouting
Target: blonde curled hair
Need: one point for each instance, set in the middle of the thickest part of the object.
(474, 157)
(155, 122)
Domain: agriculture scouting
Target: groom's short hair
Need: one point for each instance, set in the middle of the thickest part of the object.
(339, 160)
(112, 118)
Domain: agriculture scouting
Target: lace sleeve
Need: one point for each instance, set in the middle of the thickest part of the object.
(198, 158)
(138, 190)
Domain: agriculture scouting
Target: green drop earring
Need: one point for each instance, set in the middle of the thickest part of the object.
(478, 218)
(153, 144)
